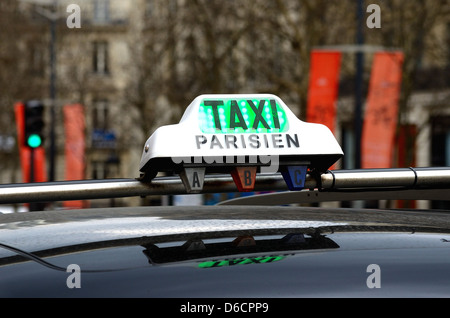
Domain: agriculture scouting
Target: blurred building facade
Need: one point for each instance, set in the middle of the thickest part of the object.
(122, 47)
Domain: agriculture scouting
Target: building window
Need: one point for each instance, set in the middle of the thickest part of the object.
(109, 168)
(100, 115)
(440, 135)
(99, 170)
(348, 146)
(36, 64)
(149, 8)
(448, 44)
(101, 11)
(440, 149)
(100, 58)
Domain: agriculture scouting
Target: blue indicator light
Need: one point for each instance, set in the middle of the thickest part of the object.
(294, 176)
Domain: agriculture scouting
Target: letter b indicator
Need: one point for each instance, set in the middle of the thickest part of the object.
(244, 178)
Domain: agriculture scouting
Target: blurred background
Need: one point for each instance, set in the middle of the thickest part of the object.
(109, 72)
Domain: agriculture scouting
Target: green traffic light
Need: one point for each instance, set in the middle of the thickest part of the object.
(34, 141)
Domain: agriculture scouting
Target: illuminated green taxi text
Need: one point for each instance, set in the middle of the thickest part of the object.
(242, 116)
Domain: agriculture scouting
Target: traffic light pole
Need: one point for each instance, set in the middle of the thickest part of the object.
(33, 206)
(31, 165)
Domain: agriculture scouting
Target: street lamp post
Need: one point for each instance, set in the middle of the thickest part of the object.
(52, 17)
(51, 175)
(358, 83)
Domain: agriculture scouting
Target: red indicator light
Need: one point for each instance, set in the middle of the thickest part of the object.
(244, 178)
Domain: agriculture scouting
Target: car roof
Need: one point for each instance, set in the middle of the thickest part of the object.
(45, 229)
(169, 251)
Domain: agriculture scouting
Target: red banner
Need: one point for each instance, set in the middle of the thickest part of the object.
(39, 166)
(74, 124)
(380, 120)
(323, 88)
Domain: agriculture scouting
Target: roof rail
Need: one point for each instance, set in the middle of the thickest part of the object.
(337, 185)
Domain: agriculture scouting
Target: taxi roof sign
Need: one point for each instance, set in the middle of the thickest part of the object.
(220, 132)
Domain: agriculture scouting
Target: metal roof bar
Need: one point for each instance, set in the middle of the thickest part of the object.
(331, 181)
(315, 196)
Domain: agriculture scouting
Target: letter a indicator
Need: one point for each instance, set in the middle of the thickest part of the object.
(193, 179)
